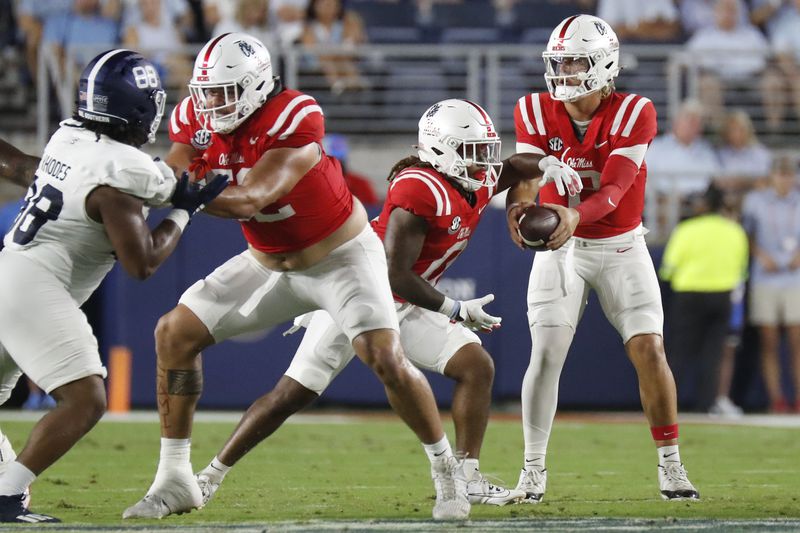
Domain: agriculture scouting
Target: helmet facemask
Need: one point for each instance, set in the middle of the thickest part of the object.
(159, 100)
(455, 157)
(225, 117)
(562, 70)
(581, 58)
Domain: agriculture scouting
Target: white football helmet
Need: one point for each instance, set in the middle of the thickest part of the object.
(237, 68)
(582, 48)
(457, 134)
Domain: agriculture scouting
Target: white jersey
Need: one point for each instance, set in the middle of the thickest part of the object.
(53, 228)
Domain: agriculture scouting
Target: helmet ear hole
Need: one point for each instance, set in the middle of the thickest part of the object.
(436, 151)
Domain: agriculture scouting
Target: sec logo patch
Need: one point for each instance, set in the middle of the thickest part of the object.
(201, 139)
(454, 225)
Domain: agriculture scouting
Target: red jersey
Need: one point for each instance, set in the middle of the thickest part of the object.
(450, 217)
(610, 159)
(320, 202)
(185, 127)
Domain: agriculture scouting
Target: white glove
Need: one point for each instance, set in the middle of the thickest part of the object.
(567, 180)
(471, 313)
(163, 185)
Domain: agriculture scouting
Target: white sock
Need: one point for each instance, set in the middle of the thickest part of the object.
(15, 479)
(668, 454)
(216, 471)
(534, 460)
(174, 452)
(438, 449)
(174, 459)
(470, 468)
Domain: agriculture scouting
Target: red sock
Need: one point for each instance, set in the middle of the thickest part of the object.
(664, 432)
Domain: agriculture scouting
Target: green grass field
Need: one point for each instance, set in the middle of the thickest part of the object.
(372, 468)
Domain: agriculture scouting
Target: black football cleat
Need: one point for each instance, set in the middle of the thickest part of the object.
(12, 509)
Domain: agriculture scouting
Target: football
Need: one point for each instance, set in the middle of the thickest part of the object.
(536, 225)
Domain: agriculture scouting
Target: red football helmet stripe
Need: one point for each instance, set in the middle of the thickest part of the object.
(480, 110)
(565, 26)
(211, 47)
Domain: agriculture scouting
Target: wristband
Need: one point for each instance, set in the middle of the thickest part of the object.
(450, 308)
(180, 217)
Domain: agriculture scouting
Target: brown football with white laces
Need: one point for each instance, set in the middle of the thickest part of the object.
(536, 225)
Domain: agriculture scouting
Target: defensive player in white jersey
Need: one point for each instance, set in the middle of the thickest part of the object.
(18, 168)
(598, 244)
(434, 203)
(309, 247)
(85, 208)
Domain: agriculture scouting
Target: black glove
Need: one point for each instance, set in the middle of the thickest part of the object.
(191, 197)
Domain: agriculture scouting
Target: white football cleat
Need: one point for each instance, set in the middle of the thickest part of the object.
(480, 491)
(674, 483)
(451, 489)
(175, 496)
(207, 487)
(533, 482)
(8, 456)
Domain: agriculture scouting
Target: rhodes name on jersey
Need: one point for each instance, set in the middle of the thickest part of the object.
(53, 228)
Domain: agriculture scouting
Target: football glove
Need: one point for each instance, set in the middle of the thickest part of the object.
(471, 313)
(191, 197)
(567, 180)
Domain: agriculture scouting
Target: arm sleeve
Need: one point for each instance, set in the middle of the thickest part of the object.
(623, 164)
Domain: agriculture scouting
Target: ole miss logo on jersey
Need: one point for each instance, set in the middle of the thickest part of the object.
(620, 130)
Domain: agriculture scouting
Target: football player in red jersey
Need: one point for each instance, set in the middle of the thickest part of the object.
(309, 247)
(434, 203)
(599, 242)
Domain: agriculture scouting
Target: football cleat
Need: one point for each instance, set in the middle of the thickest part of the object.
(173, 497)
(207, 487)
(480, 491)
(12, 509)
(451, 489)
(533, 482)
(674, 483)
(8, 456)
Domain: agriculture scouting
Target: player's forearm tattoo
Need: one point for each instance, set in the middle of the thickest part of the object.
(184, 382)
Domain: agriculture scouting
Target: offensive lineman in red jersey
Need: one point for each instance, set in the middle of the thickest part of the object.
(598, 244)
(309, 247)
(434, 203)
